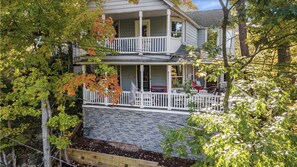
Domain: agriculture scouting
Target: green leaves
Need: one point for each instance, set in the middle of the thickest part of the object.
(61, 142)
(256, 132)
(63, 121)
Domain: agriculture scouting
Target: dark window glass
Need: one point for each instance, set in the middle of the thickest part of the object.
(176, 29)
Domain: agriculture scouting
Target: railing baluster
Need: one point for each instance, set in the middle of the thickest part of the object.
(160, 100)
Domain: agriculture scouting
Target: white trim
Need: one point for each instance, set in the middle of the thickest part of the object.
(136, 76)
(168, 27)
(83, 69)
(176, 19)
(183, 31)
(139, 109)
(169, 86)
(150, 72)
(144, 22)
(141, 87)
(184, 74)
(176, 9)
(121, 82)
(168, 2)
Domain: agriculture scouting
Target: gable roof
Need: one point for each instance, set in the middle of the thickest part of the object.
(207, 18)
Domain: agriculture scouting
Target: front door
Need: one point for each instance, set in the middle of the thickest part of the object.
(146, 78)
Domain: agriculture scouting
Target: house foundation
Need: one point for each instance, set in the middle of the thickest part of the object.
(128, 126)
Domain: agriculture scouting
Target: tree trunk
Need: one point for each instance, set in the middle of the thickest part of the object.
(225, 58)
(70, 57)
(283, 54)
(66, 156)
(4, 158)
(13, 156)
(45, 133)
(60, 157)
(284, 60)
(240, 8)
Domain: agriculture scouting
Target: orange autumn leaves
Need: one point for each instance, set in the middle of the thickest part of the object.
(104, 85)
(102, 30)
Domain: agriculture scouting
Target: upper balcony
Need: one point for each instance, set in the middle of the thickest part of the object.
(157, 32)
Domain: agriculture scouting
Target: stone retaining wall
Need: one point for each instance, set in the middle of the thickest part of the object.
(140, 128)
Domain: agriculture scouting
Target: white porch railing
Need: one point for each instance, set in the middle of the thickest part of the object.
(124, 45)
(154, 44)
(179, 101)
(131, 44)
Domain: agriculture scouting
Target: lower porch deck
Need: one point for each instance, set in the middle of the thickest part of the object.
(158, 100)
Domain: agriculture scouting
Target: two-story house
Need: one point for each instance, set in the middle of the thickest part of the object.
(151, 39)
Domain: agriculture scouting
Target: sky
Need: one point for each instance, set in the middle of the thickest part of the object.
(207, 4)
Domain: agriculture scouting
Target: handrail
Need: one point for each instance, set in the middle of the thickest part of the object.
(154, 44)
(180, 101)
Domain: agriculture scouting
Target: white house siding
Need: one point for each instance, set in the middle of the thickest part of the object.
(202, 34)
(122, 6)
(128, 74)
(191, 34)
(158, 76)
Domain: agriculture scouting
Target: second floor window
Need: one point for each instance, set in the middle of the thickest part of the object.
(176, 29)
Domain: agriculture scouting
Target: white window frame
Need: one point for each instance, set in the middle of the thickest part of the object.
(175, 19)
(178, 76)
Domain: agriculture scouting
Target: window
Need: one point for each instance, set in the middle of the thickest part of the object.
(176, 29)
(176, 75)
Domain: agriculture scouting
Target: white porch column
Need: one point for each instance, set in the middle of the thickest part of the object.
(141, 86)
(83, 68)
(106, 90)
(168, 32)
(184, 32)
(169, 81)
(140, 32)
(184, 73)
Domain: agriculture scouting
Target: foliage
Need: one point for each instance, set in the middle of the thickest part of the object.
(62, 123)
(105, 85)
(185, 5)
(33, 38)
(211, 45)
(258, 130)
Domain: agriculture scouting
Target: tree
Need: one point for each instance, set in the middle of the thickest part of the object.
(31, 31)
(259, 128)
(278, 19)
(242, 32)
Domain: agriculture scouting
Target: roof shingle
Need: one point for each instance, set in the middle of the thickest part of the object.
(207, 18)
